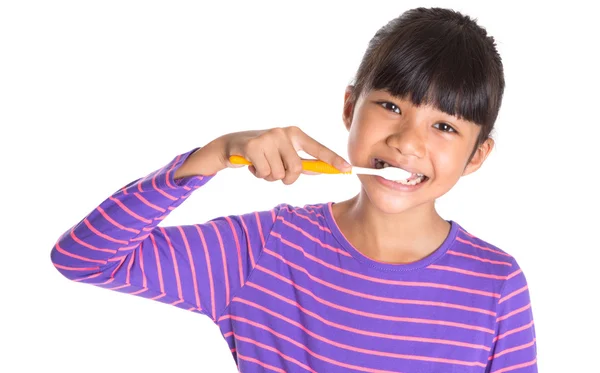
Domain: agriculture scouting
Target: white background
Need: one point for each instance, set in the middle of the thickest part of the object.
(94, 94)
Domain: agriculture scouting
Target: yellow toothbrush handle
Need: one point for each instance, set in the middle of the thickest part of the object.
(313, 165)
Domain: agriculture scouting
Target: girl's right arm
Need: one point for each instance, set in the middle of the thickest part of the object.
(120, 245)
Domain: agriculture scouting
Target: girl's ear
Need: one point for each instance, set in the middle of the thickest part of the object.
(479, 156)
(348, 109)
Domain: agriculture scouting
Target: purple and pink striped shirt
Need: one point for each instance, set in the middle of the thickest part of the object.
(291, 294)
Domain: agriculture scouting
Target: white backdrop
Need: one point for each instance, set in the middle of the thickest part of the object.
(96, 94)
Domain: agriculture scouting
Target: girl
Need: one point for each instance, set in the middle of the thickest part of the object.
(377, 283)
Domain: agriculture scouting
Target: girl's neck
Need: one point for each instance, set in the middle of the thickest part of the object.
(393, 238)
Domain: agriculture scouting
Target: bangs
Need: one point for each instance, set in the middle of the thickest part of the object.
(442, 64)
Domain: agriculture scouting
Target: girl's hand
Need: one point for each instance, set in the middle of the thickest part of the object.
(273, 154)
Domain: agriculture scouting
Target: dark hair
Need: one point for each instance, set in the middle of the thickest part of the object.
(437, 57)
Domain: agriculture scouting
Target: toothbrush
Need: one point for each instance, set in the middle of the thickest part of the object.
(315, 165)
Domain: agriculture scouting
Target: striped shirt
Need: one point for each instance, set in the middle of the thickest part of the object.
(291, 294)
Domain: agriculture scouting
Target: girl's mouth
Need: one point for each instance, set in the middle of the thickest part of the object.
(414, 179)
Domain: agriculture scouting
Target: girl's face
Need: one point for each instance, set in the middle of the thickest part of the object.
(422, 140)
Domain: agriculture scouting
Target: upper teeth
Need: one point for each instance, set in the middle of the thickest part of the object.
(385, 164)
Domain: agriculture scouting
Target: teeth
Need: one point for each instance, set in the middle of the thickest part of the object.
(411, 182)
(382, 164)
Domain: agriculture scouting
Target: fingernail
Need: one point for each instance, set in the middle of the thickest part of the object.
(346, 164)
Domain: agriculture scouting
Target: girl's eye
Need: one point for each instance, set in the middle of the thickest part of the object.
(445, 127)
(391, 106)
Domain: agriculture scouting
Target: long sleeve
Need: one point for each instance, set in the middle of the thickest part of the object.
(514, 347)
(199, 267)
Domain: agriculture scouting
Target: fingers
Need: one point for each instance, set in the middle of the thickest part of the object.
(319, 151)
(274, 154)
(260, 165)
(292, 163)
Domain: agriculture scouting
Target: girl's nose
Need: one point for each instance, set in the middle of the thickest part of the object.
(410, 141)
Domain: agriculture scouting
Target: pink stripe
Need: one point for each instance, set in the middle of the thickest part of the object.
(127, 274)
(253, 360)
(513, 349)
(177, 302)
(247, 235)
(465, 272)
(115, 223)
(514, 274)
(83, 243)
(273, 349)
(364, 332)
(209, 269)
(165, 194)
(225, 272)
(192, 267)
(483, 247)
(144, 280)
(467, 233)
(452, 252)
(147, 177)
(129, 212)
(117, 258)
(158, 296)
(516, 292)
(170, 170)
(378, 298)
(174, 260)
(132, 247)
(148, 203)
(128, 277)
(383, 281)
(309, 220)
(139, 291)
(373, 315)
(515, 330)
(310, 210)
(158, 266)
(347, 328)
(517, 366)
(298, 344)
(112, 275)
(334, 249)
(119, 287)
(514, 312)
(143, 237)
(239, 250)
(107, 281)
(76, 268)
(88, 277)
(79, 257)
(100, 234)
(260, 230)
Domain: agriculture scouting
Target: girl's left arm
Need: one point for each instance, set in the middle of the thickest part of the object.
(514, 347)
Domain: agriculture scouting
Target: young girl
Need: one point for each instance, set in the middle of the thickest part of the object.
(377, 283)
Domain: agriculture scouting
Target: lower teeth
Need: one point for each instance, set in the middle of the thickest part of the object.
(410, 182)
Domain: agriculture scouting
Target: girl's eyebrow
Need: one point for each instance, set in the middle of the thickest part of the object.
(451, 119)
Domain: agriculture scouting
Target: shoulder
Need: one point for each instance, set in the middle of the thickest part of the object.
(314, 210)
(309, 219)
(482, 257)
